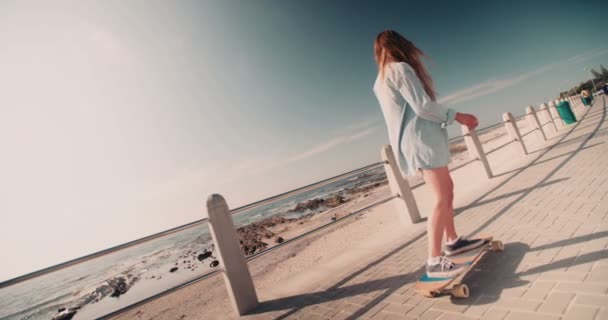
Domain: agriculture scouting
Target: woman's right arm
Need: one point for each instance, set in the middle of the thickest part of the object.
(404, 79)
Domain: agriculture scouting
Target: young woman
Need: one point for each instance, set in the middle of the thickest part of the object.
(417, 132)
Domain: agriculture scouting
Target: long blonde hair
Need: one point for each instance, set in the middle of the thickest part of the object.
(390, 46)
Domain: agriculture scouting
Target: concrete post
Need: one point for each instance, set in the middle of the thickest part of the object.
(533, 120)
(577, 111)
(475, 149)
(400, 187)
(513, 131)
(547, 115)
(236, 273)
(571, 100)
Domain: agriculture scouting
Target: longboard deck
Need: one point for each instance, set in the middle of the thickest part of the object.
(431, 287)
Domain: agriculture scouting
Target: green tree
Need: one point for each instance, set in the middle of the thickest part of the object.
(596, 75)
(604, 73)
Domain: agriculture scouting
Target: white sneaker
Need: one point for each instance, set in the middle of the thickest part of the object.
(445, 268)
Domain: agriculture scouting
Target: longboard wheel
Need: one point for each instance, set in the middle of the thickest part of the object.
(431, 294)
(497, 245)
(460, 291)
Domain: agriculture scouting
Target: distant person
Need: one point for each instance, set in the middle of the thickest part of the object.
(417, 132)
(586, 97)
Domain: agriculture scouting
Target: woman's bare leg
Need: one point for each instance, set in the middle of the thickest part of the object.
(450, 228)
(442, 218)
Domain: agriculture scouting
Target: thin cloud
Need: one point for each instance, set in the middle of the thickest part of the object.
(588, 55)
(494, 85)
(256, 166)
(320, 148)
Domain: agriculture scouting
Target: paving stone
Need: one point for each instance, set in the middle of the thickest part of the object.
(447, 305)
(375, 309)
(430, 315)
(455, 316)
(382, 315)
(589, 288)
(516, 304)
(420, 308)
(480, 306)
(603, 314)
(557, 302)
(519, 315)
(594, 300)
(539, 290)
(577, 312)
(495, 314)
(398, 308)
(513, 292)
(598, 275)
(564, 276)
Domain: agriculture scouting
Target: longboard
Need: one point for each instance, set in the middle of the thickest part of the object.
(432, 287)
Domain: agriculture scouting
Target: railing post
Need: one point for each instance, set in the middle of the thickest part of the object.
(580, 112)
(513, 131)
(533, 120)
(475, 149)
(547, 116)
(236, 273)
(400, 187)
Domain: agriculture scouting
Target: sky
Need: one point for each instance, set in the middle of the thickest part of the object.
(119, 118)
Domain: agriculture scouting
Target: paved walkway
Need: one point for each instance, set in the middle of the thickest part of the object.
(552, 216)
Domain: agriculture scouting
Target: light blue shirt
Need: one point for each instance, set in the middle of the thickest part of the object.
(416, 124)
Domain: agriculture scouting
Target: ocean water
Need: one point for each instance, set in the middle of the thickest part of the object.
(40, 298)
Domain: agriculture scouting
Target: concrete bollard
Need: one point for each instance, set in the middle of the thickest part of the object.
(400, 187)
(236, 273)
(578, 112)
(547, 115)
(533, 120)
(513, 131)
(475, 149)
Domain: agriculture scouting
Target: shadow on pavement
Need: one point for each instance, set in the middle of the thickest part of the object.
(506, 195)
(552, 158)
(541, 182)
(494, 273)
